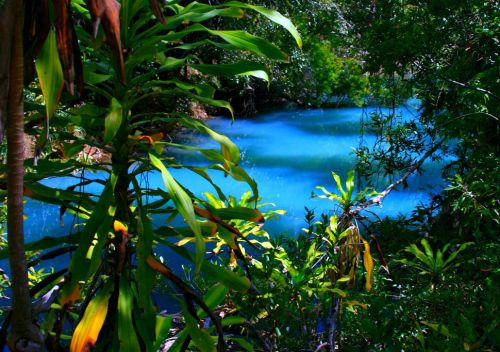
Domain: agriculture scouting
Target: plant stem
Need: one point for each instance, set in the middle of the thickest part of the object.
(24, 335)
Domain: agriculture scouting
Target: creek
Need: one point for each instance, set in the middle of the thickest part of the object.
(288, 153)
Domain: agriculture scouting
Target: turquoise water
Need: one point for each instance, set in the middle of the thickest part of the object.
(288, 153)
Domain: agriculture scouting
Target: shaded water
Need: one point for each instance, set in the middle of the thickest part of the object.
(288, 153)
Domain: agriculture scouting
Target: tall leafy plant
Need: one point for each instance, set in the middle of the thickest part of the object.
(142, 65)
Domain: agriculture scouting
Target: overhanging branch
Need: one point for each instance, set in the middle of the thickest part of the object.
(377, 200)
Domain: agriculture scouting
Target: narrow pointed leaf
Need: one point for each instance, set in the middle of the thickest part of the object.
(126, 331)
(368, 264)
(89, 327)
(184, 206)
(273, 16)
(50, 74)
(113, 120)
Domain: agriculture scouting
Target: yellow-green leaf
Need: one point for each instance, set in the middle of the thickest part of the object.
(89, 327)
(50, 74)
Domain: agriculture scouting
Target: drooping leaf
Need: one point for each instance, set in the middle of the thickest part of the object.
(227, 277)
(107, 12)
(243, 68)
(113, 120)
(273, 16)
(89, 327)
(237, 39)
(126, 331)
(50, 74)
(99, 223)
(229, 150)
(67, 45)
(368, 264)
(240, 213)
(184, 206)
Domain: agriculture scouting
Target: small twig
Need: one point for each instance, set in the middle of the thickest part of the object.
(380, 254)
(479, 89)
(321, 346)
(334, 311)
(380, 197)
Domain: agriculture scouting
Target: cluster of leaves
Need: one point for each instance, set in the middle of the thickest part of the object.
(129, 69)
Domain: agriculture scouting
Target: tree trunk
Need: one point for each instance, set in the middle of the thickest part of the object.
(25, 336)
(6, 30)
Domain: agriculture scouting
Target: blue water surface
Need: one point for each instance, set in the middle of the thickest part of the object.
(288, 153)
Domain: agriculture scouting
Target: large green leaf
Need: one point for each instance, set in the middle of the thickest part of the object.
(238, 39)
(273, 16)
(200, 337)
(50, 74)
(241, 213)
(113, 120)
(225, 276)
(229, 150)
(126, 332)
(184, 206)
(100, 223)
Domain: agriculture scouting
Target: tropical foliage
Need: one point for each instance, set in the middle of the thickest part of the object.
(100, 87)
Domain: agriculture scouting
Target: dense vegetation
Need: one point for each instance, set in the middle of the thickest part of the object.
(429, 281)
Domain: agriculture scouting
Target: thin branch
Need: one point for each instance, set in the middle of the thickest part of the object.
(380, 197)
(479, 89)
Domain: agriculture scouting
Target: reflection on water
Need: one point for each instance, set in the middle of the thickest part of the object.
(288, 153)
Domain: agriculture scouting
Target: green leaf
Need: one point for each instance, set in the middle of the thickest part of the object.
(184, 206)
(126, 331)
(238, 39)
(243, 68)
(240, 213)
(229, 150)
(50, 74)
(243, 343)
(213, 298)
(91, 77)
(226, 277)
(100, 223)
(163, 325)
(273, 16)
(113, 120)
(249, 42)
(201, 338)
(233, 320)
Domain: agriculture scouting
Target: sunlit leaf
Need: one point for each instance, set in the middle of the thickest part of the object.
(273, 16)
(184, 206)
(89, 327)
